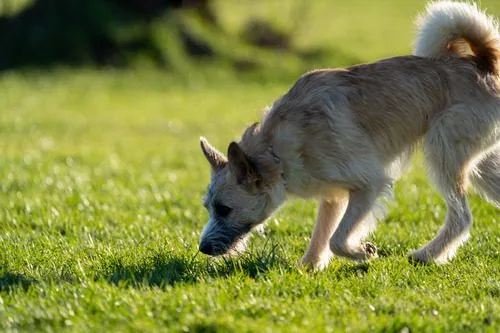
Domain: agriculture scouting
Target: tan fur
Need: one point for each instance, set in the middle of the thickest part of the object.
(330, 212)
(353, 130)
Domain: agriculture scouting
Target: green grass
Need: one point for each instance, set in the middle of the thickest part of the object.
(101, 181)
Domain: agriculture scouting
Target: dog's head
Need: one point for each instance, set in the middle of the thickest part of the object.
(243, 193)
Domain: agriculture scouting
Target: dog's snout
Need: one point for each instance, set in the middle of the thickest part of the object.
(206, 247)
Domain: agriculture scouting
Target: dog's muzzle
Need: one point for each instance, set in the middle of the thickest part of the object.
(206, 247)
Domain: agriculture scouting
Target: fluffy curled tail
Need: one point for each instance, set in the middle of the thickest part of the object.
(452, 28)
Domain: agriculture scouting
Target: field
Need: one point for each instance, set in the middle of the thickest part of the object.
(101, 181)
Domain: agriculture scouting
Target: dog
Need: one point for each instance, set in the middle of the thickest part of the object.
(343, 136)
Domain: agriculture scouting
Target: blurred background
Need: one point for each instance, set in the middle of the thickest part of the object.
(246, 36)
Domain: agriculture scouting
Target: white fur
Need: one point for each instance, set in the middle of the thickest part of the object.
(447, 21)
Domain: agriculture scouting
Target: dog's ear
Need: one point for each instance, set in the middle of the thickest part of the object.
(242, 167)
(216, 159)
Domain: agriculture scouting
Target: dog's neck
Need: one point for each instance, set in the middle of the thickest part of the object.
(277, 147)
(270, 161)
(283, 144)
(277, 160)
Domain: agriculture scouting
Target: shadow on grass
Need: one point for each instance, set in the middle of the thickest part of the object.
(170, 269)
(210, 328)
(10, 281)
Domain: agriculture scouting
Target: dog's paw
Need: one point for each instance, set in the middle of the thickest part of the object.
(421, 257)
(362, 252)
(314, 264)
(370, 250)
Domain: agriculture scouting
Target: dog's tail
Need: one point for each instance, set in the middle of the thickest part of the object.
(458, 29)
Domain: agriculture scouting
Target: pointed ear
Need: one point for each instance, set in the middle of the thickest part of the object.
(241, 165)
(216, 159)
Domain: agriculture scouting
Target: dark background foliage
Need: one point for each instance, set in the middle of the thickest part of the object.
(111, 32)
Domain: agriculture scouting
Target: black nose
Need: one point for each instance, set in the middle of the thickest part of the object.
(206, 247)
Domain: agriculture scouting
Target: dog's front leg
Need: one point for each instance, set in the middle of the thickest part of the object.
(330, 211)
(355, 226)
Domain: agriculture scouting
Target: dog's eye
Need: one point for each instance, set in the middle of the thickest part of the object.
(222, 210)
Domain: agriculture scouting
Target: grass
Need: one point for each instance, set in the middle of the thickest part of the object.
(101, 180)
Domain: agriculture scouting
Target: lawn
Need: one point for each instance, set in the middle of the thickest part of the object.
(101, 181)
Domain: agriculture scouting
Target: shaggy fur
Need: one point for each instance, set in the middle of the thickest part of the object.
(344, 136)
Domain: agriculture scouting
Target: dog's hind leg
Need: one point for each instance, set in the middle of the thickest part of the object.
(450, 151)
(330, 211)
(485, 176)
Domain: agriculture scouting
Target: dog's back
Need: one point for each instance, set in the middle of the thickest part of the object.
(395, 101)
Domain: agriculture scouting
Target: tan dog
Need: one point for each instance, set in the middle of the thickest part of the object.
(343, 137)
